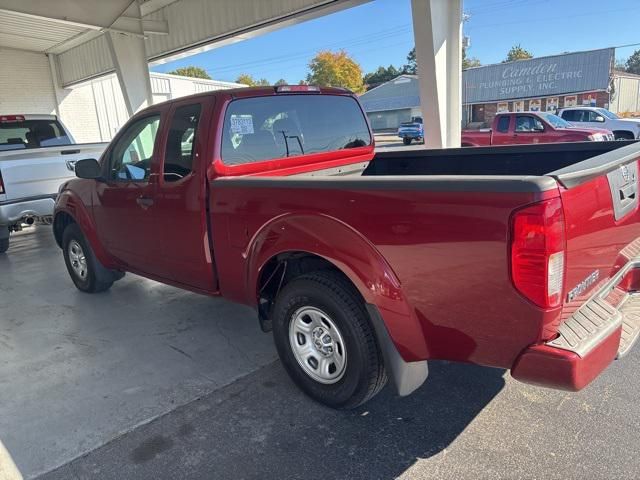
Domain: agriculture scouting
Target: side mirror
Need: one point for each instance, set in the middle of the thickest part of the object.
(89, 168)
(600, 119)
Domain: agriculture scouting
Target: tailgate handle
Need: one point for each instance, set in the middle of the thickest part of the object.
(69, 152)
(628, 192)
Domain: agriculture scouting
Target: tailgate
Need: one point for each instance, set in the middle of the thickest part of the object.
(41, 171)
(600, 317)
(600, 203)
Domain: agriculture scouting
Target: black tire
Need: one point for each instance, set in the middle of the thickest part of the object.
(97, 278)
(4, 245)
(364, 375)
(406, 141)
(622, 136)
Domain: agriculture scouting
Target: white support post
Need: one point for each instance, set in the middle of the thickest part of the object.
(53, 67)
(130, 60)
(437, 27)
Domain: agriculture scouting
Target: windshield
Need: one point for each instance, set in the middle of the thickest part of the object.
(608, 114)
(555, 120)
(20, 135)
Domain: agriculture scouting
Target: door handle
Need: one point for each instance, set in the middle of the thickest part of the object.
(144, 202)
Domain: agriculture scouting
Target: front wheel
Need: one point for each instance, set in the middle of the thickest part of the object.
(326, 342)
(86, 271)
(406, 141)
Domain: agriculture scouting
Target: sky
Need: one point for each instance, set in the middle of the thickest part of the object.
(381, 33)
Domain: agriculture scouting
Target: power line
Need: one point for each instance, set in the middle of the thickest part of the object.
(354, 42)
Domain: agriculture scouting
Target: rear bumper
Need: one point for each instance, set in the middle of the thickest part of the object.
(14, 210)
(604, 328)
(409, 135)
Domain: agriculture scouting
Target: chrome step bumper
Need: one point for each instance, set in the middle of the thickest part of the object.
(597, 319)
(630, 324)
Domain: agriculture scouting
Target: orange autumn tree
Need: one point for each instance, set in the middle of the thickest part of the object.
(335, 69)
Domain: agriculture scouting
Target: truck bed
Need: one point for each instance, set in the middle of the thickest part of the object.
(533, 160)
(440, 219)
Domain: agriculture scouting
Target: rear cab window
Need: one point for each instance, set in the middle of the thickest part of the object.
(503, 123)
(280, 126)
(26, 134)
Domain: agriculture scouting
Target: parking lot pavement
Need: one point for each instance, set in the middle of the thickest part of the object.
(79, 370)
(466, 422)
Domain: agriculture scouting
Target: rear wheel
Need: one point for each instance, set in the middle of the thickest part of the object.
(4, 245)
(86, 271)
(406, 141)
(622, 135)
(326, 342)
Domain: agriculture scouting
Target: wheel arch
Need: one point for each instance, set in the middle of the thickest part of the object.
(624, 133)
(296, 242)
(70, 209)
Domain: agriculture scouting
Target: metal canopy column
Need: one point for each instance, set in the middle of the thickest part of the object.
(130, 61)
(437, 27)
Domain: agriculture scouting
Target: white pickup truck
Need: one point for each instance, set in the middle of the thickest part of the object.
(37, 155)
(596, 117)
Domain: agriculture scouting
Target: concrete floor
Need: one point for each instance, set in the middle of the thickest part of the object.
(77, 370)
(134, 379)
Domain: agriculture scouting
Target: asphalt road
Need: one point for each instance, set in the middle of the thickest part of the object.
(466, 422)
(149, 382)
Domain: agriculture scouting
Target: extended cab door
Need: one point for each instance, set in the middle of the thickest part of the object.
(124, 204)
(181, 197)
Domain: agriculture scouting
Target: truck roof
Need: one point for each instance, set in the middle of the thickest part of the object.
(243, 92)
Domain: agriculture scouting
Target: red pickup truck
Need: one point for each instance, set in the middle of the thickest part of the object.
(366, 265)
(531, 127)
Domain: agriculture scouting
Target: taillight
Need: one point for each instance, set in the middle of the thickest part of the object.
(1, 184)
(538, 252)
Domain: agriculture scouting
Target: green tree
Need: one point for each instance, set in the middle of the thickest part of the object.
(469, 62)
(517, 53)
(191, 71)
(247, 79)
(335, 69)
(282, 81)
(381, 75)
(411, 67)
(633, 63)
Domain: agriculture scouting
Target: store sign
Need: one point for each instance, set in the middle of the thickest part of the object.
(539, 77)
(535, 105)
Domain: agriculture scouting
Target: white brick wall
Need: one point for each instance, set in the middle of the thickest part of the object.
(78, 113)
(25, 83)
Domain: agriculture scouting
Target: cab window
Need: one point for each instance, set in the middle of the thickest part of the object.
(179, 151)
(281, 126)
(503, 123)
(132, 154)
(527, 123)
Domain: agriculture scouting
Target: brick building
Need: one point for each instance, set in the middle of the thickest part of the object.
(544, 83)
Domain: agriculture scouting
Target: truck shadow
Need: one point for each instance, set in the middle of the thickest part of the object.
(385, 437)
